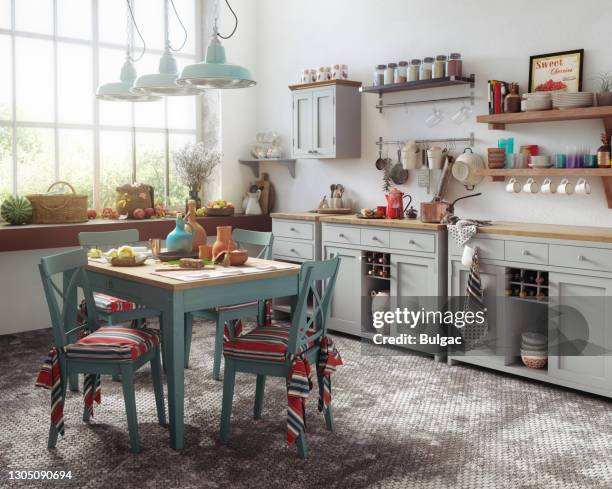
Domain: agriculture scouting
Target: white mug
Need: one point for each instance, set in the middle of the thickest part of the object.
(547, 187)
(467, 256)
(565, 187)
(582, 187)
(513, 186)
(531, 187)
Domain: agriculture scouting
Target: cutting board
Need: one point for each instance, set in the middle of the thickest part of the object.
(264, 199)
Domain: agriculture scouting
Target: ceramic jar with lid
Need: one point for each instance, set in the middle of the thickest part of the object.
(439, 67)
(454, 65)
(426, 68)
(413, 70)
(401, 74)
(379, 75)
(390, 73)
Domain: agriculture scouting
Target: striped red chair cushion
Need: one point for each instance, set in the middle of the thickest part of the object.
(108, 303)
(267, 343)
(113, 343)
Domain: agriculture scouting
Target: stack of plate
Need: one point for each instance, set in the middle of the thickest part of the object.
(568, 100)
(534, 350)
(537, 101)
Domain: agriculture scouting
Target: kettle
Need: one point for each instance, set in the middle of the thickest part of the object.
(395, 204)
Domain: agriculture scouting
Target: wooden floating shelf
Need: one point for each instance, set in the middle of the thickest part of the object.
(499, 121)
(254, 165)
(447, 81)
(499, 175)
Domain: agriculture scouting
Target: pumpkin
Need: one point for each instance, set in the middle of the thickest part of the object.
(16, 210)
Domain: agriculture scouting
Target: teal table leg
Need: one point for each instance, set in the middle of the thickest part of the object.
(173, 324)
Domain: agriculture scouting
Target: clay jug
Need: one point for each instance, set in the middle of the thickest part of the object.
(224, 240)
(198, 232)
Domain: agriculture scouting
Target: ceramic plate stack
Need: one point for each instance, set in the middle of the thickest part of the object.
(568, 100)
(537, 101)
(534, 350)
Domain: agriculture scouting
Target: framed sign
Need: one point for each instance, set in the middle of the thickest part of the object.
(556, 71)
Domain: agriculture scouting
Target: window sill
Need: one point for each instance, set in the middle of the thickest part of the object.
(43, 236)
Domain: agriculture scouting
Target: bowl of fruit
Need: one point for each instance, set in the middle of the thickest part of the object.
(125, 256)
(219, 207)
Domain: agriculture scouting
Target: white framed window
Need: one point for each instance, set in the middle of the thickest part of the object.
(51, 125)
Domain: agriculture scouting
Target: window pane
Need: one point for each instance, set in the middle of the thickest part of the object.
(149, 114)
(112, 21)
(34, 87)
(75, 85)
(186, 10)
(179, 191)
(6, 104)
(74, 18)
(5, 14)
(76, 160)
(35, 160)
(149, 15)
(115, 164)
(151, 161)
(6, 162)
(182, 110)
(34, 16)
(113, 113)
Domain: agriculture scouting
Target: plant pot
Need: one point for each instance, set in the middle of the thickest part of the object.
(604, 98)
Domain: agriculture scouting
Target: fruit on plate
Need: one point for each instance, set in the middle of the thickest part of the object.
(139, 214)
(125, 251)
(368, 212)
(94, 253)
(16, 210)
(108, 213)
(149, 212)
(201, 212)
(160, 210)
(91, 213)
(112, 253)
(220, 204)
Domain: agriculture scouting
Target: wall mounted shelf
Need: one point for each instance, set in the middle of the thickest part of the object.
(447, 81)
(499, 175)
(254, 165)
(499, 121)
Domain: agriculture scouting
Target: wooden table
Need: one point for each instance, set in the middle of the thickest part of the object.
(174, 298)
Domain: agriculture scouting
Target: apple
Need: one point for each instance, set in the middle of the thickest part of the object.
(91, 214)
(108, 213)
(149, 212)
(138, 214)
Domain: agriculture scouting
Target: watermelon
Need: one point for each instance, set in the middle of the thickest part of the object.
(16, 210)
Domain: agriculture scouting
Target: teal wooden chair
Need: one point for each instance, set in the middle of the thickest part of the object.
(269, 351)
(107, 350)
(231, 314)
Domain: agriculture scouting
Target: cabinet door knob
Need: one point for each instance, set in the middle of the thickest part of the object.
(526, 253)
(314, 151)
(580, 258)
(341, 235)
(292, 229)
(292, 250)
(374, 238)
(411, 241)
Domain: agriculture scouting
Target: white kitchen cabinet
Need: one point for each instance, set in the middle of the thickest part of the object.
(580, 312)
(326, 120)
(345, 307)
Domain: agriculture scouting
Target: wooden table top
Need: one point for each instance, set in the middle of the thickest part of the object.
(143, 274)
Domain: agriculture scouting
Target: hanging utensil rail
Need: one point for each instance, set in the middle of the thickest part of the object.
(469, 140)
(381, 106)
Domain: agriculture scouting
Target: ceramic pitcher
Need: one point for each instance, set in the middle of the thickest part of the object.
(252, 203)
(197, 231)
(224, 241)
(179, 240)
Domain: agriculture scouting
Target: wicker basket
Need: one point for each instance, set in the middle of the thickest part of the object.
(58, 208)
(218, 212)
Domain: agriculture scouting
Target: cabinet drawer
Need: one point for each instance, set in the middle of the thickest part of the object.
(293, 229)
(523, 251)
(490, 249)
(293, 249)
(413, 242)
(341, 234)
(580, 257)
(375, 237)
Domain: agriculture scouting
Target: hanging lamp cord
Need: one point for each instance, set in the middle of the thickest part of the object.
(144, 44)
(178, 17)
(235, 25)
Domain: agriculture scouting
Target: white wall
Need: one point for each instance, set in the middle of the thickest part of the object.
(495, 39)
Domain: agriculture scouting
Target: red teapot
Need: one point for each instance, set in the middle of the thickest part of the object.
(395, 203)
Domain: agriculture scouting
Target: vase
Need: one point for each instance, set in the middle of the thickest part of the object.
(179, 240)
(195, 196)
(197, 231)
(224, 240)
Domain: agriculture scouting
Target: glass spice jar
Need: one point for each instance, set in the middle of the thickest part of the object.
(401, 74)
(379, 75)
(425, 70)
(439, 66)
(454, 65)
(413, 70)
(390, 73)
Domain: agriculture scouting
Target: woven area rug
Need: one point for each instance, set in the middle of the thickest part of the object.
(401, 422)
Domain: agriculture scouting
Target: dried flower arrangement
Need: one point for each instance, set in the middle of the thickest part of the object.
(195, 164)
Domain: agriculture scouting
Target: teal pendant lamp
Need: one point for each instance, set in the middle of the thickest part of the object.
(215, 72)
(121, 91)
(164, 82)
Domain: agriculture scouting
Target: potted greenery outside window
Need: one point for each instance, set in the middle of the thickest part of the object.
(604, 96)
(195, 165)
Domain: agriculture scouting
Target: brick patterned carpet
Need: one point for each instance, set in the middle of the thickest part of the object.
(401, 422)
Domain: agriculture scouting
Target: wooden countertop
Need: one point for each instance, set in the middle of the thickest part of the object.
(299, 216)
(389, 223)
(551, 231)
